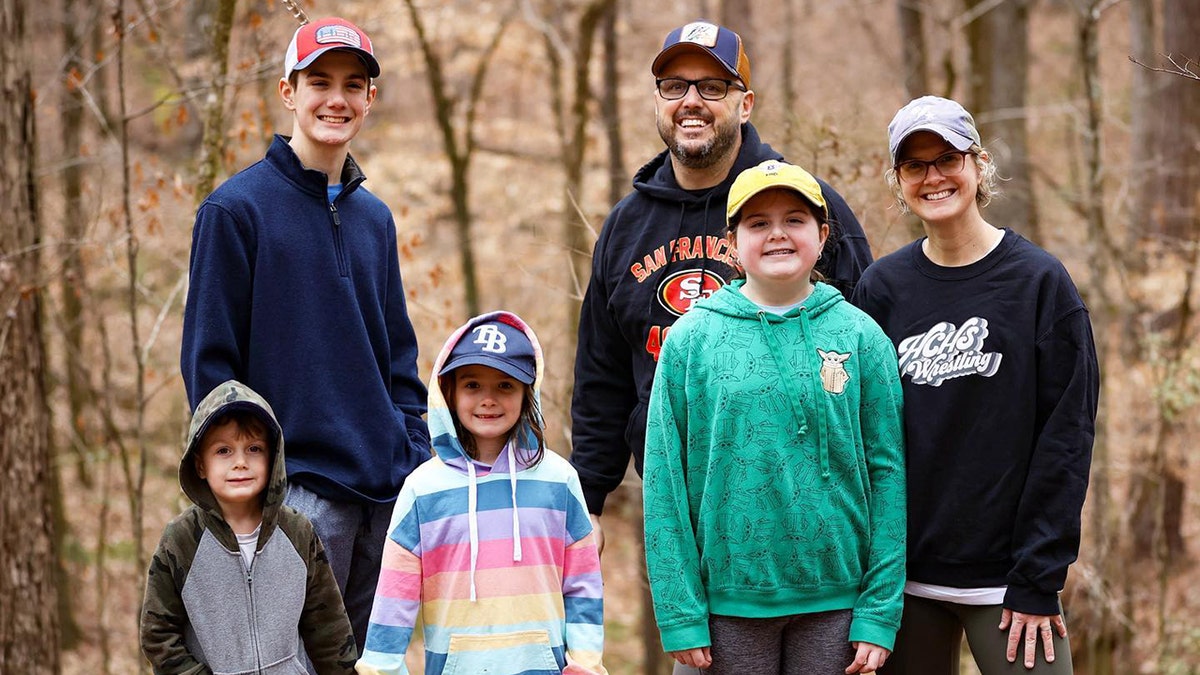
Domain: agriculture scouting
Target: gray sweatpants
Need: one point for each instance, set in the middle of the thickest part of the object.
(801, 644)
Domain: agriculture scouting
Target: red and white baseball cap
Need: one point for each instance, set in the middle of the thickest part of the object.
(314, 39)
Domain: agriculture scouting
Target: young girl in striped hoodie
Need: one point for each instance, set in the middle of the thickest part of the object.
(490, 540)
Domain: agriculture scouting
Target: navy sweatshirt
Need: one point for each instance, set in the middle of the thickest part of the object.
(661, 249)
(1000, 384)
(302, 301)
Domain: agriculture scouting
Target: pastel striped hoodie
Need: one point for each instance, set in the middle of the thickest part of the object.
(501, 590)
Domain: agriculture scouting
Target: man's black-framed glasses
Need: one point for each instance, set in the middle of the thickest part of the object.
(710, 89)
(915, 170)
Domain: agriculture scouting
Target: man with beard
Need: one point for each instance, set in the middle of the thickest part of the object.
(663, 247)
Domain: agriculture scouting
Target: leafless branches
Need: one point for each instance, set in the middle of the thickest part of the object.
(1185, 69)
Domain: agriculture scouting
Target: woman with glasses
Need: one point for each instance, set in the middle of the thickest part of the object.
(1000, 381)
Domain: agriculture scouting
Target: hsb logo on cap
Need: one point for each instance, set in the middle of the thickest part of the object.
(338, 35)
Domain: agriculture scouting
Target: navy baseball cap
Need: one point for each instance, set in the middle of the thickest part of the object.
(708, 38)
(942, 116)
(497, 345)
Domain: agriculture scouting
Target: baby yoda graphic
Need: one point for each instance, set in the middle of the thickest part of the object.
(833, 374)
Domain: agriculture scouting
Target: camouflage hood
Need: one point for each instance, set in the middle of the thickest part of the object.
(228, 396)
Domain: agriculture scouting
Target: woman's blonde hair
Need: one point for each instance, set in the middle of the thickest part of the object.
(989, 180)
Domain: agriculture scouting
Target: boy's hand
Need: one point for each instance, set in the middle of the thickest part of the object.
(1032, 625)
(700, 657)
(868, 659)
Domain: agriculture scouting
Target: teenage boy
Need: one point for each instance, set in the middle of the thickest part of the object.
(296, 291)
(239, 580)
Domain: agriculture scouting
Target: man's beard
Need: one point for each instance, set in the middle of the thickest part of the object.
(710, 153)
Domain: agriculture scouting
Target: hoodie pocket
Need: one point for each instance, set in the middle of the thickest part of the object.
(526, 651)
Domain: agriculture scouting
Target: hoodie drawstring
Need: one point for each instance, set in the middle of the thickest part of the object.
(790, 385)
(516, 518)
(473, 521)
(473, 512)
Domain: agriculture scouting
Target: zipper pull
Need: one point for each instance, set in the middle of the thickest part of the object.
(336, 220)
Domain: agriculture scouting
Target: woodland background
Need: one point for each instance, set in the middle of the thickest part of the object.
(503, 132)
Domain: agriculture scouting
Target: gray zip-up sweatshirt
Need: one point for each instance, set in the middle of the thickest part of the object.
(205, 613)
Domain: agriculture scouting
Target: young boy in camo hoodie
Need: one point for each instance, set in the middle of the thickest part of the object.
(239, 579)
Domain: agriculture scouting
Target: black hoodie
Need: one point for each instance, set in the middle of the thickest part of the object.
(662, 248)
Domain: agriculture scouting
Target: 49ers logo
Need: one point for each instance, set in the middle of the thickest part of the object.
(680, 290)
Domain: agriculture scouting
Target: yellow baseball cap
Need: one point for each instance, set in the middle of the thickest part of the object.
(770, 174)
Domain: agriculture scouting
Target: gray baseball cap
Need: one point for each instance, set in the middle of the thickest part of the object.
(942, 116)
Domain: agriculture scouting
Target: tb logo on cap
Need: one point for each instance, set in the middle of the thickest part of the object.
(490, 339)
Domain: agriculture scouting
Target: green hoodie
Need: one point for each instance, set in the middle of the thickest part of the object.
(774, 481)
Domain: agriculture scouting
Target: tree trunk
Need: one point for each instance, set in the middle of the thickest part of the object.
(913, 55)
(577, 226)
(1177, 101)
(458, 152)
(72, 286)
(212, 143)
(999, 47)
(736, 16)
(1142, 143)
(28, 600)
(610, 111)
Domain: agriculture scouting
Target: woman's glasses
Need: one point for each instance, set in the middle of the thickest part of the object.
(915, 170)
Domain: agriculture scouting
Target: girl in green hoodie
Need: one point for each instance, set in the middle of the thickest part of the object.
(774, 477)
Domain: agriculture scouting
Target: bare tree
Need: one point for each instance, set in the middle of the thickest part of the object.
(913, 55)
(1142, 144)
(737, 16)
(610, 111)
(212, 145)
(28, 603)
(458, 138)
(998, 36)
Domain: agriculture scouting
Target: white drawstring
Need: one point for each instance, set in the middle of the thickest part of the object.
(516, 519)
(473, 521)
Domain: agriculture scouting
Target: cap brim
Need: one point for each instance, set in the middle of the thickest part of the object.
(506, 367)
(368, 60)
(960, 142)
(778, 186)
(683, 47)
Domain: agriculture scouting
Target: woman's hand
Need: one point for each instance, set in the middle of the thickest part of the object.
(1031, 625)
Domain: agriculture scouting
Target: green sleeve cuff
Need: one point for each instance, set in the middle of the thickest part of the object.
(690, 635)
(865, 629)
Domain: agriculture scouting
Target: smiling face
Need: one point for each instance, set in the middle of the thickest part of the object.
(235, 461)
(778, 239)
(488, 404)
(939, 199)
(330, 99)
(701, 133)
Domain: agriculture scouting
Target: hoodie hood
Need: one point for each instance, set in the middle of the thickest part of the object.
(731, 302)
(444, 437)
(447, 447)
(227, 397)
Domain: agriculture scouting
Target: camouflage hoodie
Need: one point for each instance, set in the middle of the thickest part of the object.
(205, 613)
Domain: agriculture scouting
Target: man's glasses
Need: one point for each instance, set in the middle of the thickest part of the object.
(711, 89)
(915, 170)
